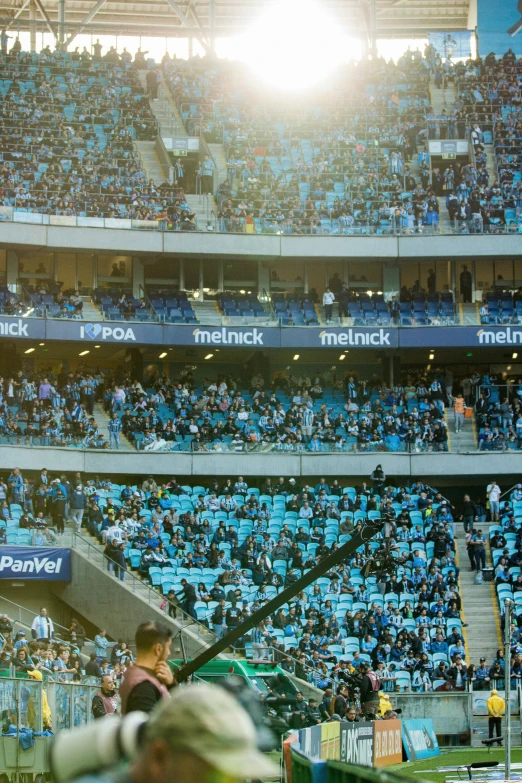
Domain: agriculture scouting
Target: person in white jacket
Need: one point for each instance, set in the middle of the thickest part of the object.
(328, 300)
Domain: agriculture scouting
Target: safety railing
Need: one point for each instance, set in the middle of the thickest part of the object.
(331, 228)
(24, 617)
(160, 446)
(144, 591)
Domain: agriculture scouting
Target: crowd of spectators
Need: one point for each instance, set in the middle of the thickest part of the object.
(490, 88)
(314, 413)
(60, 654)
(218, 552)
(342, 169)
(54, 409)
(68, 124)
(292, 413)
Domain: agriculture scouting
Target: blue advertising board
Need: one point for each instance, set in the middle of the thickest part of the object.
(339, 337)
(419, 739)
(252, 337)
(499, 27)
(460, 336)
(35, 563)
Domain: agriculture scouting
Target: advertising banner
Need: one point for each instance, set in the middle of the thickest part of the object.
(499, 27)
(104, 332)
(24, 328)
(387, 743)
(252, 337)
(460, 336)
(330, 740)
(34, 562)
(452, 45)
(310, 742)
(420, 740)
(336, 337)
(357, 743)
(221, 336)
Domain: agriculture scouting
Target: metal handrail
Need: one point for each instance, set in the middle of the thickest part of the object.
(97, 554)
(32, 614)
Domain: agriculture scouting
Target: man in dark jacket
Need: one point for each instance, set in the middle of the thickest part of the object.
(340, 704)
(324, 707)
(313, 713)
(115, 554)
(369, 691)
(92, 667)
(189, 598)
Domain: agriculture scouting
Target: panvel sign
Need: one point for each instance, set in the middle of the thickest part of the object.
(499, 26)
(34, 562)
(420, 740)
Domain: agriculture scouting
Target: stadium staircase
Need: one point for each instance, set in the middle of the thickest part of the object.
(205, 208)
(101, 419)
(165, 111)
(207, 313)
(89, 311)
(464, 441)
(151, 163)
(482, 636)
(479, 605)
(121, 606)
(218, 153)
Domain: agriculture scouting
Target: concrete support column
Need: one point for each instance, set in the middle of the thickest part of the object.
(61, 24)
(32, 26)
(12, 270)
(138, 277)
(305, 280)
(135, 357)
(391, 280)
(221, 277)
(201, 280)
(182, 275)
(263, 279)
(212, 24)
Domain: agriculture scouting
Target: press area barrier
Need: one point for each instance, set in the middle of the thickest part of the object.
(340, 752)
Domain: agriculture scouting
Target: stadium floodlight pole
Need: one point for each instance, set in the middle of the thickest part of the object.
(508, 608)
(359, 538)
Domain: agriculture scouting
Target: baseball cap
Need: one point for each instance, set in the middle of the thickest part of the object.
(210, 723)
(482, 660)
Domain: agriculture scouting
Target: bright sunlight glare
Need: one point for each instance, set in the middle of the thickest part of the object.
(293, 45)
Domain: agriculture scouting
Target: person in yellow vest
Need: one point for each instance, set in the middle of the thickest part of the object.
(496, 709)
(385, 704)
(460, 409)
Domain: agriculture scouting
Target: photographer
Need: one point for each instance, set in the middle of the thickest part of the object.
(313, 713)
(149, 679)
(339, 703)
(201, 734)
(369, 690)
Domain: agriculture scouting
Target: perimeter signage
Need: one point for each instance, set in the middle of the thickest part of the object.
(252, 337)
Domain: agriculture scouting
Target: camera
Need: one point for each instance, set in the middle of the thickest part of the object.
(106, 742)
(95, 746)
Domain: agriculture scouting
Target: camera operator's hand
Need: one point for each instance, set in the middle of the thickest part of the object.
(164, 674)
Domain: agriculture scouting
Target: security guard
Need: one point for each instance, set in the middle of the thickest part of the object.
(496, 709)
